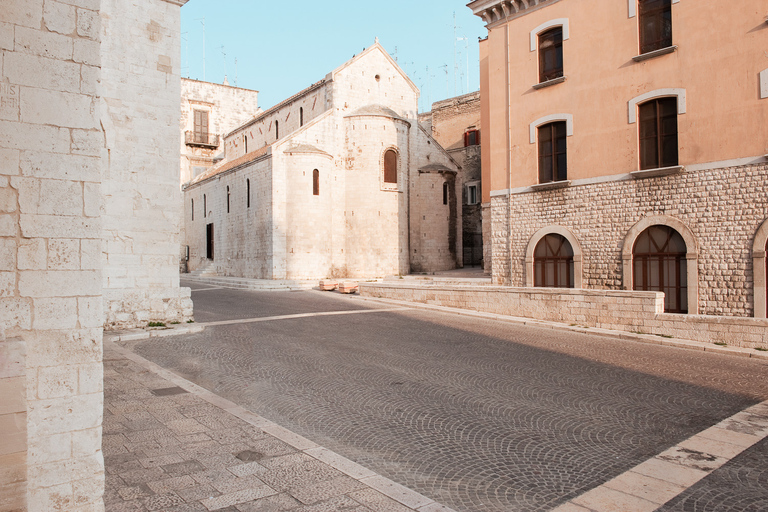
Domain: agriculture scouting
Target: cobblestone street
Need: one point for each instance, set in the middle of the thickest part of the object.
(476, 414)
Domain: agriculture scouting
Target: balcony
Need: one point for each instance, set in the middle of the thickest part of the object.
(202, 140)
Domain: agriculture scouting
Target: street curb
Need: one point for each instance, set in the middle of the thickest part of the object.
(650, 339)
(151, 332)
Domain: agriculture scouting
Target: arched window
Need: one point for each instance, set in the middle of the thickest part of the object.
(205, 206)
(316, 182)
(660, 265)
(551, 54)
(248, 193)
(277, 130)
(301, 116)
(553, 262)
(227, 199)
(193, 209)
(760, 267)
(658, 133)
(390, 166)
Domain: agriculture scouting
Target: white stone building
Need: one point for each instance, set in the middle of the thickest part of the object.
(89, 225)
(339, 180)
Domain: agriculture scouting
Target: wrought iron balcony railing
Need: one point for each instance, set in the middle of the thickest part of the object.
(204, 140)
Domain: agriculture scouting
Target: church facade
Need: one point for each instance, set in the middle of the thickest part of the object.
(339, 180)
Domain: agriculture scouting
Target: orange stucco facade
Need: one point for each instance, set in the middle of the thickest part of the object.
(715, 67)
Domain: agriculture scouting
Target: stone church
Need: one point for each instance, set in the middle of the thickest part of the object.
(339, 180)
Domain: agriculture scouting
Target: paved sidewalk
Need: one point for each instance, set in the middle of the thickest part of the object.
(172, 446)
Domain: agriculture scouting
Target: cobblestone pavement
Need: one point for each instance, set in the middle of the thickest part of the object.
(170, 450)
(476, 414)
(740, 486)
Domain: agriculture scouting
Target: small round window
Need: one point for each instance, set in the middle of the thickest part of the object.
(377, 77)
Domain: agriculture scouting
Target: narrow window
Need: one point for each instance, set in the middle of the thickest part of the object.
(658, 133)
(193, 209)
(471, 138)
(390, 166)
(277, 131)
(301, 116)
(201, 127)
(551, 54)
(227, 199)
(248, 192)
(471, 194)
(316, 182)
(655, 21)
(553, 157)
(245, 143)
(445, 192)
(660, 265)
(553, 262)
(205, 206)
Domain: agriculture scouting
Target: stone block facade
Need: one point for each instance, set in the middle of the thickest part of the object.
(84, 165)
(722, 207)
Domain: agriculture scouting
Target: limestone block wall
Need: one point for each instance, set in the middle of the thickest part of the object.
(141, 205)
(242, 236)
(487, 239)
(452, 117)
(722, 207)
(620, 310)
(279, 121)
(50, 240)
(228, 107)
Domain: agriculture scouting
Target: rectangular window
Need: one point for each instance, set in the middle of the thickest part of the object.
(551, 54)
(655, 21)
(657, 121)
(201, 127)
(471, 195)
(471, 138)
(553, 157)
(445, 192)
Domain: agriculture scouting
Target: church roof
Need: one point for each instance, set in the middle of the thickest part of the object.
(439, 168)
(307, 148)
(237, 162)
(376, 110)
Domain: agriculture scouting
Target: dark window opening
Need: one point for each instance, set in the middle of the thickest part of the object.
(660, 265)
(277, 130)
(553, 156)
(245, 142)
(390, 166)
(248, 193)
(553, 263)
(655, 25)
(209, 241)
(316, 182)
(227, 199)
(445, 192)
(471, 138)
(201, 127)
(301, 116)
(658, 133)
(205, 206)
(193, 209)
(551, 54)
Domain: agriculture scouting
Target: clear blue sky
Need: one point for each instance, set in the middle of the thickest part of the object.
(283, 47)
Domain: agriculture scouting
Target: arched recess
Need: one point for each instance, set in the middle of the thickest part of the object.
(758, 265)
(692, 255)
(560, 22)
(680, 94)
(568, 118)
(568, 235)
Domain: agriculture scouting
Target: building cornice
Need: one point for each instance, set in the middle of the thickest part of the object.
(492, 11)
(180, 3)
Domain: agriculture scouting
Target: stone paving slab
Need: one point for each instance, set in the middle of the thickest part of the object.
(171, 446)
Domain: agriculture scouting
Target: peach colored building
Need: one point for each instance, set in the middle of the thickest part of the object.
(624, 147)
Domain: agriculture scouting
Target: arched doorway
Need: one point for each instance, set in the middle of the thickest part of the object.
(660, 264)
(553, 262)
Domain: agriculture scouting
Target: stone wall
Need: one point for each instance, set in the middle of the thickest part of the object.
(227, 107)
(141, 207)
(620, 310)
(50, 238)
(723, 208)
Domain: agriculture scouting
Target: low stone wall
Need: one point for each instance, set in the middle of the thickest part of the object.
(125, 309)
(620, 310)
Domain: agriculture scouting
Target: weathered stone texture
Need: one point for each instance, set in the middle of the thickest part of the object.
(722, 207)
